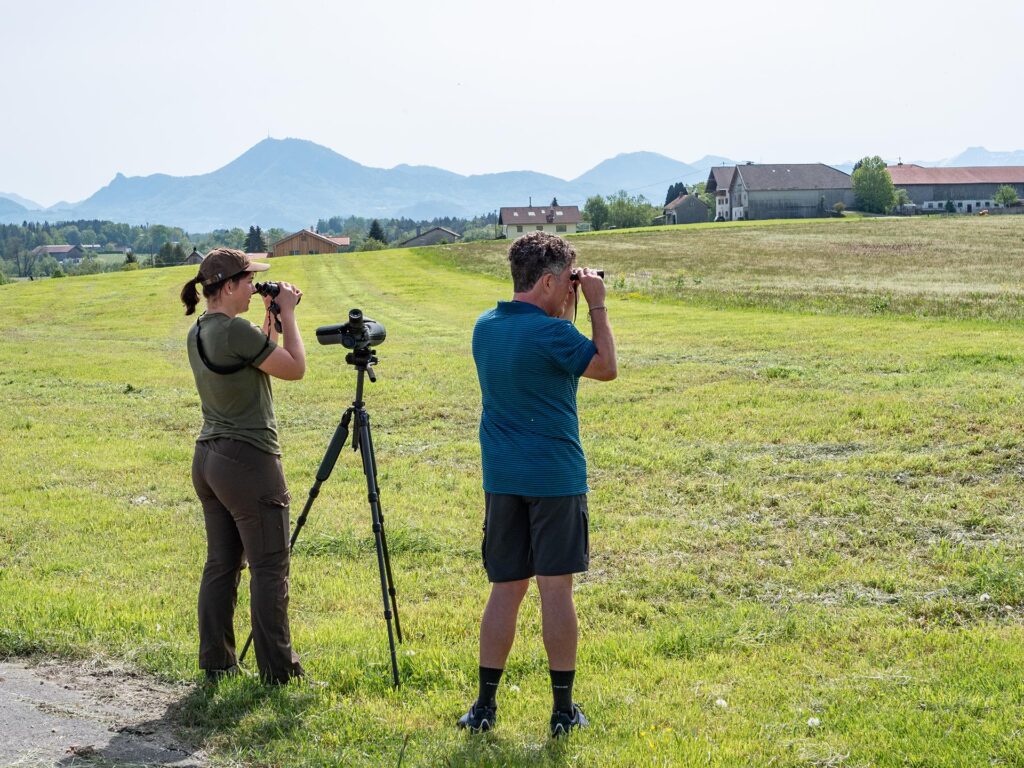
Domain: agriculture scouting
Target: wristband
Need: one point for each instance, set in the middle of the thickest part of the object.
(594, 309)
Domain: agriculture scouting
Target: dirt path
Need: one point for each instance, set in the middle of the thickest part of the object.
(63, 714)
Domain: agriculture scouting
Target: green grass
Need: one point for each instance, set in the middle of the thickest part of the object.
(803, 509)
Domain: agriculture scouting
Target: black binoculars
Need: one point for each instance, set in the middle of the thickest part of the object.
(270, 289)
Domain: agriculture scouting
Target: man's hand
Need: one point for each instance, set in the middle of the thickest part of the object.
(592, 286)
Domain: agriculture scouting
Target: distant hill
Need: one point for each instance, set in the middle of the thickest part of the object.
(9, 207)
(981, 156)
(972, 156)
(291, 183)
(646, 173)
(24, 202)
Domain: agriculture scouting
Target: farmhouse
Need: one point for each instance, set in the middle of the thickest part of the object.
(722, 182)
(306, 241)
(796, 191)
(432, 236)
(557, 219)
(194, 258)
(68, 254)
(969, 188)
(685, 209)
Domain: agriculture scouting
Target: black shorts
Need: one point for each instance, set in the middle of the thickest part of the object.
(528, 536)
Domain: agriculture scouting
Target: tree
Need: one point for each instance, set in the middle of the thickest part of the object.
(165, 256)
(872, 185)
(1005, 195)
(950, 207)
(674, 191)
(554, 202)
(595, 210)
(901, 198)
(255, 242)
(129, 258)
(376, 233)
(627, 211)
(699, 189)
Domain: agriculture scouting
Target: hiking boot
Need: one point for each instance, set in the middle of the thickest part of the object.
(215, 675)
(563, 722)
(479, 719)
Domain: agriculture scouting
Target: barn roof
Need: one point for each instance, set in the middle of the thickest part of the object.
(903, 175)
(764, 178)
(720, 178)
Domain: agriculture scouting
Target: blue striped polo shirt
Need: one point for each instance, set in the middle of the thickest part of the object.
(529, 366)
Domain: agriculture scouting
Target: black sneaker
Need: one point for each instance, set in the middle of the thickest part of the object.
(563, 722)
(479, 719)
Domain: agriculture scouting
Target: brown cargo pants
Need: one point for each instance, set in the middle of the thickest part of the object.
(245, 505)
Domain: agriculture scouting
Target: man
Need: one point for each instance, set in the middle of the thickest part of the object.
(529, 358)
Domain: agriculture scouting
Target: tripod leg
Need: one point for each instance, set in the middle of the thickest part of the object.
(334, 449)
(383, 535)
(369, 469)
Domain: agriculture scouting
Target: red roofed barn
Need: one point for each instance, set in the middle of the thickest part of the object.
(969, 188)
(306, 241)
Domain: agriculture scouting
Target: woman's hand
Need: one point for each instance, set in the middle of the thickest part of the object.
(287, 297)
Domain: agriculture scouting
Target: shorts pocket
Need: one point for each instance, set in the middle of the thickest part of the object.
(274, 522)
(483, 544)
(585, 522)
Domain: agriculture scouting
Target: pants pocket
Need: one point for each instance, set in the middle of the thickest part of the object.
(274, 522)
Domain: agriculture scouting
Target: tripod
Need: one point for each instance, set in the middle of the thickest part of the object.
(363, 360)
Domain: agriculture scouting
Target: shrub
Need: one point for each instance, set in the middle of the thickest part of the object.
(372, 244)
(838, 208)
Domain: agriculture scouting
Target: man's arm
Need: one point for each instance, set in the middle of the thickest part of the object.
(603, 365)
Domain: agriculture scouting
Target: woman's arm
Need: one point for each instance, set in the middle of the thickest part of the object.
(288, 361)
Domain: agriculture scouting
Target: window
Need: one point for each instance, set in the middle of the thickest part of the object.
(293, 253)
(540, 227)
(929, 205)
(519, 228)
(960, 204)
(559, 227)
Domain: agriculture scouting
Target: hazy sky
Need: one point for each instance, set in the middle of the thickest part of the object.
(151, 86)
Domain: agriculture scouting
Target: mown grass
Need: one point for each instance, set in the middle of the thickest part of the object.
(923, 266)
(799, 514)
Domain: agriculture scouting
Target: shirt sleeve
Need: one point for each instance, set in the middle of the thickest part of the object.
(569, 349)
(248, 342)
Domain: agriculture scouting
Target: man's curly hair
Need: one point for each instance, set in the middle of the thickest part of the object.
(536, 253)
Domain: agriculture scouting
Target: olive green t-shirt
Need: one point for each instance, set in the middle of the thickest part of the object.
(238, 405)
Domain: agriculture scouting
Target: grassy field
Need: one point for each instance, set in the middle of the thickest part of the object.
(922, 266)
(806, 515)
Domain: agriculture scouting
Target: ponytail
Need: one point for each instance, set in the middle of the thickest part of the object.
(190, 291)
(190, 294)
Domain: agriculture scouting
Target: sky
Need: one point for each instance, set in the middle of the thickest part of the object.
(138, 87)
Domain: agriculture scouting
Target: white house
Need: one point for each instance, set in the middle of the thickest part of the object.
(558, 220)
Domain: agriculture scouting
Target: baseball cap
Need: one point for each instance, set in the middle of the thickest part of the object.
(223, 263)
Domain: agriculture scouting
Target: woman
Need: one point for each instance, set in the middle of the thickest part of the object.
(236, 470)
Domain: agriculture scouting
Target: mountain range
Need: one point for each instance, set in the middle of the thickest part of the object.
(290, 183)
